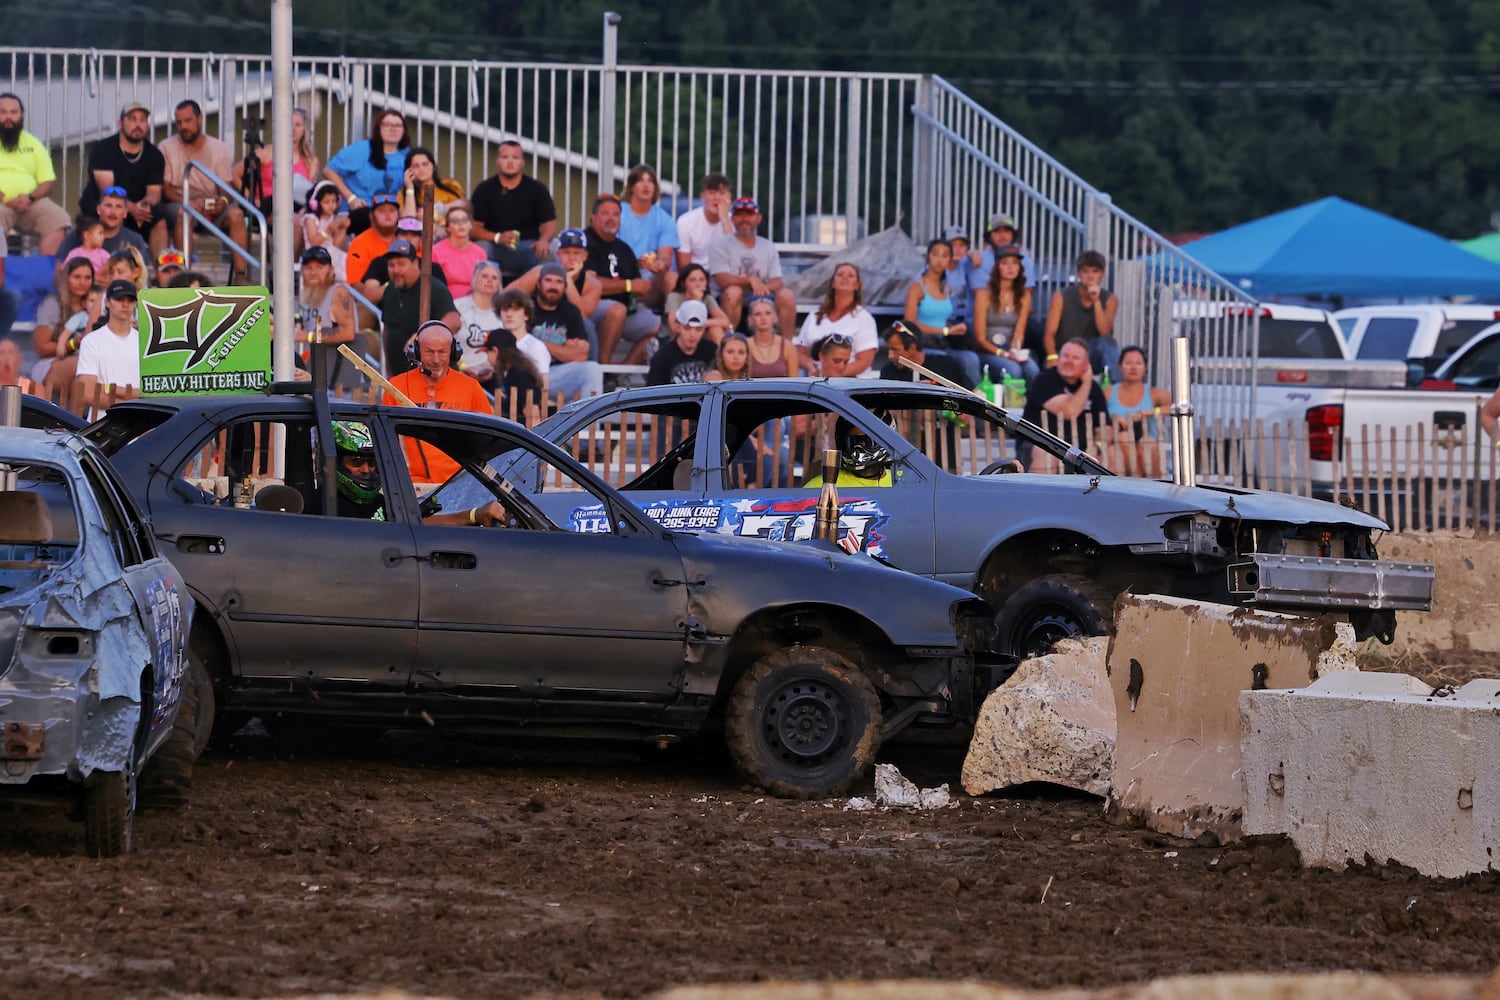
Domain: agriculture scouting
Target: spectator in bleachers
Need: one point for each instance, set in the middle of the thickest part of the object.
(10, 368)
(699, 228)
(364, 169)
(958, 272)
(1000, 232)
(421, 170)
(306, 167)
(433, 383)
(1086, 311)
(834, 355)
(692, 284)
(60, 370)
(842, 312)
(169, 264)
(1001, 309)
(127, 265)
(651, 233)
(1136, 412)
(687, 357)
(324, 306)
(513, 213)
(400, 302)
(111, 356)
(478, 318)
(584, 289)
(456, 253)
(211, 155)
(620, 313)
(114, 214)
(373, 243)
(771, 354)
(558, 324)
(517, 312)
(75, 279)
(326, 225)
(1065, 400)
(26, 179)
(129, 162)
(732, 360)
(90, 243)
(746, 265)
(903, 341)
(930, 305)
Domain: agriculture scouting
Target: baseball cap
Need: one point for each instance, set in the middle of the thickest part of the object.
(501, 339)
(955, 233)
(573, 238)
(384, 198)
(692, 313)
(319, 254)
(401, 248)
(1008, 250)
(745, 205)
(121, 289)
(171, 257)
(133, 106)
(553, 267)
(1001, 221)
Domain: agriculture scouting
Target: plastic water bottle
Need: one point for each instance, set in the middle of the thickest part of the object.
(986, 385)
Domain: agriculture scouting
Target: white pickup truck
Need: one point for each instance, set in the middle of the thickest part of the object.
(1424, 336)
(1306, 397)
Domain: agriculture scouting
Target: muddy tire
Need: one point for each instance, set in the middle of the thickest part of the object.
(108, 813)
(1050, 608)
(168, 775)
(803, 723)
(201, 683)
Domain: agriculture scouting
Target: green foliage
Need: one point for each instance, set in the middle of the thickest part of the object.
(1192, 114)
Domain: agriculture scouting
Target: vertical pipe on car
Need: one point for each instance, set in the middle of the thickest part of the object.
(1184, 467)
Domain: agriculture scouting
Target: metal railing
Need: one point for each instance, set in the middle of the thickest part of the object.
(190, 215)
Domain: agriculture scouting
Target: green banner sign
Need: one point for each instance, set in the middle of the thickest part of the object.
(199, 340)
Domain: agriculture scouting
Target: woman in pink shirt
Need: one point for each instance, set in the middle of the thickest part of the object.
(456, 254)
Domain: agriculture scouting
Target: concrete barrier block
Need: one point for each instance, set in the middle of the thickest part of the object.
(1371, 685)
(1409, 778)
(1176, 669)
(1053, 720)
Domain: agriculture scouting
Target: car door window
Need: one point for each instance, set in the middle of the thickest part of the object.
(25, 546)
(267, 465)
(639, 447)
(1387, 338)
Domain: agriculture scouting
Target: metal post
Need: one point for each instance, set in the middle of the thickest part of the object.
(1184, 463)
(10, 406)
(1096, 222)
(923, 149)
(607, 100)
(853, 162)
(281, 208)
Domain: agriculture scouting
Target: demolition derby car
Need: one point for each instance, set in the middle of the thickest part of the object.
(93, 626)
(1049, 552)
(331, 590)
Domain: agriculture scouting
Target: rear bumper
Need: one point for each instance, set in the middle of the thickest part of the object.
(1321, 584)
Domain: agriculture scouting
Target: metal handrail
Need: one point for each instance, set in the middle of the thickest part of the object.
(190, 213)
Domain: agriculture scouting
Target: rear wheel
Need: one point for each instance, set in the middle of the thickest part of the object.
(168, 775)
(803, 723)
(108, 812)
(1049, 608)
(201, 683)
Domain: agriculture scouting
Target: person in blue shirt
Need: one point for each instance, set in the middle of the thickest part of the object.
(1001, 232)
(370, 166)
(650, 232)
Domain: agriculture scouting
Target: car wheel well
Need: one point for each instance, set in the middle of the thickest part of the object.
(1022, 558)
(845, 632)
(208, 644)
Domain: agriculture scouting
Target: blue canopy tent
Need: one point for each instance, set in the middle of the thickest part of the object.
(1335, 247)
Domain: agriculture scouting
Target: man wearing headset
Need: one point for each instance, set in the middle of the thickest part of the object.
(433, 382)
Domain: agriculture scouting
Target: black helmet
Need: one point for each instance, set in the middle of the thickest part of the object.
(859, 454)
(354, 439)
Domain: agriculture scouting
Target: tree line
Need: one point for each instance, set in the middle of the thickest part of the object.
(1193, 114)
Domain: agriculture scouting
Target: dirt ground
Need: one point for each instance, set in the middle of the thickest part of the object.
(449, 868)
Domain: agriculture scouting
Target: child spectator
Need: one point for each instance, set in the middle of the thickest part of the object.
(692, 285)
(90, 243)
(456, 253)
(732, 360)
(687, 357)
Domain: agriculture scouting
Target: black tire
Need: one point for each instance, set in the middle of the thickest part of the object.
(1050, 608)
(108, 813)
(803, 723)
(168, 775)
(201, 683)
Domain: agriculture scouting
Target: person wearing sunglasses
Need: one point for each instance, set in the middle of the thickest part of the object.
(114, 217)
(130, 162)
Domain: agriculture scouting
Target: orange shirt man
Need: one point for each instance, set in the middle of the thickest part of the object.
(434, 384)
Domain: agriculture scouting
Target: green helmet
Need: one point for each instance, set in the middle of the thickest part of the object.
(355, 439)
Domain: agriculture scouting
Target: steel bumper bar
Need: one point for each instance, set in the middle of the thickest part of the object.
(1320, 583)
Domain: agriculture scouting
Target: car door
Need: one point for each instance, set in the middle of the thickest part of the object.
(303, 598)
(532, 611)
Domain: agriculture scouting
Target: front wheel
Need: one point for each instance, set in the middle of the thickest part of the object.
(108, 813)
(1049, 608)
(803, 723)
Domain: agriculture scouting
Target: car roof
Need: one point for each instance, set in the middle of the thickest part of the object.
(1449, 310)
(27, 444)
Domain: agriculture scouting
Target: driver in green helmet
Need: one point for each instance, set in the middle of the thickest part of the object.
(359, 486)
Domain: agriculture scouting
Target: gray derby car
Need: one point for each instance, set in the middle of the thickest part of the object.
(93, 629)
(1049, 552)
(467, 608)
